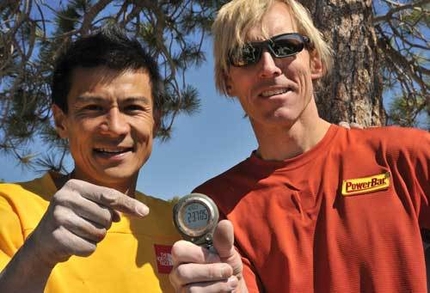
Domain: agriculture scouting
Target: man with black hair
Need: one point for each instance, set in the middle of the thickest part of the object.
(90, 230)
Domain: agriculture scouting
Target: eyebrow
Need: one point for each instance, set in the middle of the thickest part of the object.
(139, 99)
(97, 99)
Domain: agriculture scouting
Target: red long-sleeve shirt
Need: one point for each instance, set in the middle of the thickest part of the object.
(342, 217)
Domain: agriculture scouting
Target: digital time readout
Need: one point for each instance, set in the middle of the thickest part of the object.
(196, 216)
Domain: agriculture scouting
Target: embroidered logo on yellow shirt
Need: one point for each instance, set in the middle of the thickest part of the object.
(164, 258)
(366, 184)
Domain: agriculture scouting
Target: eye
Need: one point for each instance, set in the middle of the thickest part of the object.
(287, 47)
(92, 107)
(134, 108)
(248, 54)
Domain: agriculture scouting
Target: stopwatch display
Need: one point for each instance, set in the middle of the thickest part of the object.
(196, 216)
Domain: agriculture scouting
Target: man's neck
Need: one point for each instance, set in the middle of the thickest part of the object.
(278, 144)
(126, 188)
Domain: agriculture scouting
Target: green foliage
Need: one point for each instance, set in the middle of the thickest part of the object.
(406, 111)
(34, 32)
(403, 31)
(174, 199)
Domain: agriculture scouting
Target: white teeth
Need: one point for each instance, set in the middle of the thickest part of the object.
(274, 92)
(111, 151)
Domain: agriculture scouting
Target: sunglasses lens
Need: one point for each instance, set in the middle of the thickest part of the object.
(244, 56)
(287, 46)
(280, 46)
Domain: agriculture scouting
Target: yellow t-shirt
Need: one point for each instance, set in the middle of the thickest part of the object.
(133, 257)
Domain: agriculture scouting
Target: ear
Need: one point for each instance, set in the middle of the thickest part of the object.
(60, 121)
(317, 67)
(228, 84)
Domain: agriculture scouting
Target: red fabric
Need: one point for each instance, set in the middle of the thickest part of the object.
(298, 233)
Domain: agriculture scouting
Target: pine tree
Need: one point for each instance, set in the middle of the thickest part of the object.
(381, 50)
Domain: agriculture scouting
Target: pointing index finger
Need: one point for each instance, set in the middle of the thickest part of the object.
(123, 203)
(114, 199)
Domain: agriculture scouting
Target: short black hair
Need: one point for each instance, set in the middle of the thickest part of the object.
(109, 47)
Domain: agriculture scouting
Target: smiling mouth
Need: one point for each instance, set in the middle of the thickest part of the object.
(275, 92)
(112, 152)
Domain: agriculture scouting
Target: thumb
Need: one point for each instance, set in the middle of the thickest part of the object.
(223, 242)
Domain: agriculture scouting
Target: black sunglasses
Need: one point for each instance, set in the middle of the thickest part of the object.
(279, 46)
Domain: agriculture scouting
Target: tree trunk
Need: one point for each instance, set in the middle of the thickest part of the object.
(353, 91)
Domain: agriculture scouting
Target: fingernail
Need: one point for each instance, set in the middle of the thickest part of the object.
(226, 271)
(232, 282)
(142, 210)
(344, 124)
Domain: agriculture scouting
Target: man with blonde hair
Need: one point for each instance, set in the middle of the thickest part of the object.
(316, 207)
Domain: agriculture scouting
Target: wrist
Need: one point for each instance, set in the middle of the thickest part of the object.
(37, 258)
(25, 272)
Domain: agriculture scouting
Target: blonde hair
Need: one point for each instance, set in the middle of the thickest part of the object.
(236, 18)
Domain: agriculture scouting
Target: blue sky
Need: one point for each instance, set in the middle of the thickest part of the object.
(202, 145)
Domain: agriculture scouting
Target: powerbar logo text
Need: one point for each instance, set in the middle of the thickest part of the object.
(365, 184)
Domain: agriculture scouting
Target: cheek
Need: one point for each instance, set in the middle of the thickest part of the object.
(143, 129)
(80, 148)
(308, 83)
(300, 75)
(240, 81)
(144, 142)
(81, 125)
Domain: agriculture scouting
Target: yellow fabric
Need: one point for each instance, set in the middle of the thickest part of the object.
(125, 261)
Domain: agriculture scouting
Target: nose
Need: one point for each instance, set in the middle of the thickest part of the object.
(268, 67)
(115, 123)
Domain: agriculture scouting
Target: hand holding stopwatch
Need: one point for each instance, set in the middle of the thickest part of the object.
(196, 216)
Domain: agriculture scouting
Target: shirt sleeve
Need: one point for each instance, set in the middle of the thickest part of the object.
(251, 279)
(422, 175)
(11, 236)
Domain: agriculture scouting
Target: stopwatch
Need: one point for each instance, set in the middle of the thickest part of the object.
(196, 216)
